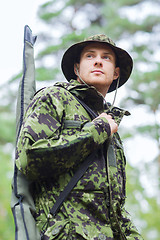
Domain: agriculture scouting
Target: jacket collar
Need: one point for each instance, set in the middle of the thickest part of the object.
(92, 98)
(87, 94)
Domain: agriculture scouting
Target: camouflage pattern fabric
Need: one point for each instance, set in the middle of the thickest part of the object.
(56, 136)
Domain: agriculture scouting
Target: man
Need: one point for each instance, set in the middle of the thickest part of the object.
(58, 135)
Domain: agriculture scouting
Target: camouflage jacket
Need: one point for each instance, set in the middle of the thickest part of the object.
(56, 136)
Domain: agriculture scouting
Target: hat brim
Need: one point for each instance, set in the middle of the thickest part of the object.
(124, 60)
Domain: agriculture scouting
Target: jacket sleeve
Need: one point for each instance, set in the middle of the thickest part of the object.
(45, 149)
(128, 227)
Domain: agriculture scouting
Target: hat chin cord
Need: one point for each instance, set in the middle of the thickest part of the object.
(114, 99)
(80, 77)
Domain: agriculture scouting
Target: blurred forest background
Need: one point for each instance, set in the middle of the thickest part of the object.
(135, 26)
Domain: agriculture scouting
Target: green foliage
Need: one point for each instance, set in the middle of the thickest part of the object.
(6, 218)
(46, 74)
(143, 209)
(7, 143)
(7, 128)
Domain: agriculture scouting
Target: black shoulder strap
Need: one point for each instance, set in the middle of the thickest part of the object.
(88, 109)
(76, 177)
(78, 174)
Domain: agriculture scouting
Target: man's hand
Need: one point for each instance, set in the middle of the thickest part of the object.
(112, 123)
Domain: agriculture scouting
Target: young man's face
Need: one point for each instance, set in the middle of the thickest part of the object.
(97, 66)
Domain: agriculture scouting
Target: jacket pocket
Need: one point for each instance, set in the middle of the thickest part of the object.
(89, 231)
(59, 230)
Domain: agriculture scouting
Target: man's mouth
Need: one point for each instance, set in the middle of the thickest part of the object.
(97, 71)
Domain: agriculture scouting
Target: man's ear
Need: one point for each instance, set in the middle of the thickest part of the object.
(116, 73)
(76, 68)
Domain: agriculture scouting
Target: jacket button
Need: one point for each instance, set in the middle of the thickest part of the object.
(43, 98)
(55, 231)
(101, 237)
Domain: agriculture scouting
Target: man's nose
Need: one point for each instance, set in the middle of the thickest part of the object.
(98, 62)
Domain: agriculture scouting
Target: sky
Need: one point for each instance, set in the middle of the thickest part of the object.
(14, 15)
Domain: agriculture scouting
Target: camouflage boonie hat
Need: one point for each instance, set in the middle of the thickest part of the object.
(124, 60)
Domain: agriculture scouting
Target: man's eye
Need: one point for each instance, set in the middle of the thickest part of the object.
(106, 57)
(89, 56)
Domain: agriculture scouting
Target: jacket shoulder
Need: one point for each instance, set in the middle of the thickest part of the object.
(56, 91)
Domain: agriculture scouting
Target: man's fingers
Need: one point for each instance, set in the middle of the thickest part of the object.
(112, 123)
